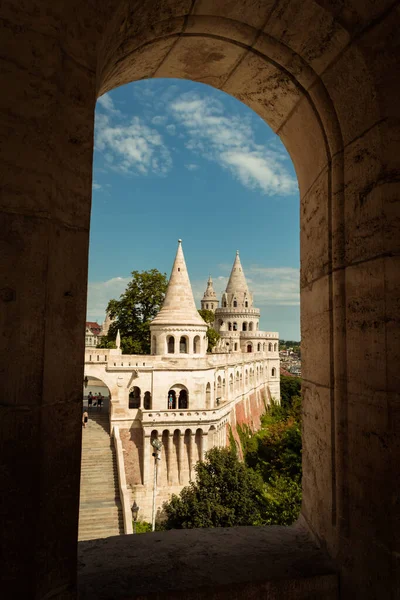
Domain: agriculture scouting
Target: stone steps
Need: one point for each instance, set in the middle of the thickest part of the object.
(100, 513)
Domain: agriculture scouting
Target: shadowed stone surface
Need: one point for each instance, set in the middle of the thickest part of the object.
(282, 562)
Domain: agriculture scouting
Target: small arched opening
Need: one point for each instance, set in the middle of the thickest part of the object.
(183, 345)
(235, 327)
(154, 345)
(134, 397)
(251, 326)
(171, 400)
(244, 326)
(275, 347)
(258, 347)
(270, 347)
(273, 372)
(183, 400)
(171, 344)
(147, 401)
(249, 348)
(208, 395)
(229, 326)
(196, 345)
(235, 304)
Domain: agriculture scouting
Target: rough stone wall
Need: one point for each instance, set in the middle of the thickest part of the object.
(132, 443)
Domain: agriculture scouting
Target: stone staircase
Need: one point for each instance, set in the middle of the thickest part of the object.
(100, 512)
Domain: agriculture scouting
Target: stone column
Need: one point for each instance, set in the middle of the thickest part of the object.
(46, 176)
(192, 454)
(181, 457)
(146, 459)
(169, 455)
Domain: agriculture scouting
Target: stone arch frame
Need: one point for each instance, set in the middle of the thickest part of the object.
(315, 77)
(229, 326)
(170, 344)
(251, 325)
(235, 303)
(249, 347)
(273, 372)
(270, 347)
(231, 383)
(234, 326)
(219, 387)
(275, 347)
(244, 326)
(264, 347)
(259, 347)
(246, 377)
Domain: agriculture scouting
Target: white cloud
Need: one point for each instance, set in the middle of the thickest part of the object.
(107, 103)
(192, 167)
(100, 293)
(159, 120)
(229, 141)
(133, 147)
(96, 186)
(171, 129)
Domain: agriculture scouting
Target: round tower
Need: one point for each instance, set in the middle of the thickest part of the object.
(178, 328)
(210, 300)
(237, 320)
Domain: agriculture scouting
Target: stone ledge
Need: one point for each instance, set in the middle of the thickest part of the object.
(236, 563)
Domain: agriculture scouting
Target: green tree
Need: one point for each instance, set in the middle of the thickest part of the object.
(134, 311)
(224, 494)
(290, 387)
(212, 335)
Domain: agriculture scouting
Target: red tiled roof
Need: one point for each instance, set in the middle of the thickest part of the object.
(94, 327)
(286, 373)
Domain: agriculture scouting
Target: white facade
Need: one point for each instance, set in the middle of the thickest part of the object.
(180, 394)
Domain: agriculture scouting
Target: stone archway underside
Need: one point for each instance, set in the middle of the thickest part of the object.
(321, 75)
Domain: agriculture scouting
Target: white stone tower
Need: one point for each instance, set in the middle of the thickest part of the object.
(210, 300)
(237, 320)
(178, 328)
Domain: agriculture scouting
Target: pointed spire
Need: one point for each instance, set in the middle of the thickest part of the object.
(237, 282)
(179, 307)
(118, 340)
(210, 294)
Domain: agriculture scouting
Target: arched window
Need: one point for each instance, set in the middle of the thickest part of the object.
(208, 395)
(154, 344)
(134, 397)
(196, 344)
(234, 303)
(246, 304)
(171, 400)
(270, 347)
(171, 344)
(229, 326)
(224, 304)
(258, 347)
(251, 326)
(219, 388)
(183, 345)
(275, 347)
(207, 306)
(235, 326)
(237, 380)
(249, 348)
(273, 372)
(183, 399)
(147, 401)
(244, 326)
(231, 383)
(236, 346)
(264, 347)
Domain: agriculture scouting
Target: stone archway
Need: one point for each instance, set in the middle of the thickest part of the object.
(321, 74)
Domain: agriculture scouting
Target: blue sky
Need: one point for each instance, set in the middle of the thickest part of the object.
(177, 159)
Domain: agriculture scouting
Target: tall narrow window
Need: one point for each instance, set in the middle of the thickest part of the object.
(183, 345)
(171, 345)
(196, 345)
(234, 303)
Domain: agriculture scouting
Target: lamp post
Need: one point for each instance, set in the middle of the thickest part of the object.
(157, 445)
(135, 510)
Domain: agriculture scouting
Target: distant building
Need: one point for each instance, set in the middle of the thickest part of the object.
(92, 334)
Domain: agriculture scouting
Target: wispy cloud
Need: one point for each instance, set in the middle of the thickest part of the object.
(191, 167)
(278, 286)
(107, 103)
(130, 145)
(101, 292)
(230, 141)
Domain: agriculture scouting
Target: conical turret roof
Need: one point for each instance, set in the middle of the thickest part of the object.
(179, 307)
(237, 282)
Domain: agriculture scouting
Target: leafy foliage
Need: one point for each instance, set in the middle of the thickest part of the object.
(224, 494)
(142, 527)
(212, 335)
(134, 311)
(290, 387)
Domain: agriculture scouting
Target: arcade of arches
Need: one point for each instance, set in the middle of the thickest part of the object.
(324, 75)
